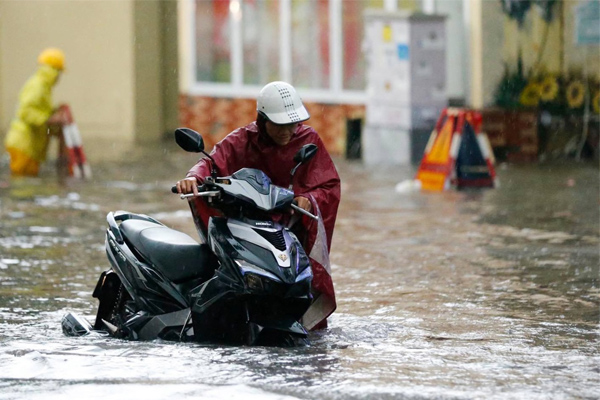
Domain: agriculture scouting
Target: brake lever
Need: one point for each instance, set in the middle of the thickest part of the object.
(303, 211)
(212, 193)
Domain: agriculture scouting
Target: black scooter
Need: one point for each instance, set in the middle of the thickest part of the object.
(247, 282)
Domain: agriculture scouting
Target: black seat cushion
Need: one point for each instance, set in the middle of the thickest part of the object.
(176, 255)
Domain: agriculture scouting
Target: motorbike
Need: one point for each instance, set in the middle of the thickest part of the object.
(248, 280)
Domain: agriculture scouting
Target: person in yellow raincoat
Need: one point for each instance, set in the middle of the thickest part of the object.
(27, 138)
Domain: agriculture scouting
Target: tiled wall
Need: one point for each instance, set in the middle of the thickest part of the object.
(216, 117)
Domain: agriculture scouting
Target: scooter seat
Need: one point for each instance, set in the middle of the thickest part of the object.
(176, 255)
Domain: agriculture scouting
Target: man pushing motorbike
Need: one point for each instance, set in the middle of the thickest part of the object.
(269, 144)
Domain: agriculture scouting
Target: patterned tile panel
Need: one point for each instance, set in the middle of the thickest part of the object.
(216, 117)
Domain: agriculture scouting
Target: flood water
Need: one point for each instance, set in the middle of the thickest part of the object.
(487, 294)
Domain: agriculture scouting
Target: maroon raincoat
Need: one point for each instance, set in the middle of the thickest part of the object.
(316, 180)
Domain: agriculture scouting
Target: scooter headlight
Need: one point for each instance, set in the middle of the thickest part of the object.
(255, 277)
(254, 282)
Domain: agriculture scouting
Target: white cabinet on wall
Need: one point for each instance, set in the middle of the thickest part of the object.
(406, 82)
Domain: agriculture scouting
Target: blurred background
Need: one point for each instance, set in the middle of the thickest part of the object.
(138, 69)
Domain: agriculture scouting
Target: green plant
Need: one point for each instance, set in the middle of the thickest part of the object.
(509, 89)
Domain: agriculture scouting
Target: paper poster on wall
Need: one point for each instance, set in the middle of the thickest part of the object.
(403, 51)
(387, 33)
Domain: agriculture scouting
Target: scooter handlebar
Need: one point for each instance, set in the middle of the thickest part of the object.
(202, 192)
(174, 189)
(201, 188)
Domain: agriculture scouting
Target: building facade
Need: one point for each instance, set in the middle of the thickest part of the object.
(138, 69)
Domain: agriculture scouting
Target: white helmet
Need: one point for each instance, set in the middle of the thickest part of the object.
(280, 103)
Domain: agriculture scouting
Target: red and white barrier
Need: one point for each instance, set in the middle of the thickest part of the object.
(77, 162)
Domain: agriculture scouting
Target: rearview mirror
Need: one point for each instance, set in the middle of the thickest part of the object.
(189, 140)
(307, 152)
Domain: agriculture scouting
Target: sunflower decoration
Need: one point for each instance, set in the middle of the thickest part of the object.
(530, 96)
(594, 88)
(575, 93)
(549, 88)
(596, 102)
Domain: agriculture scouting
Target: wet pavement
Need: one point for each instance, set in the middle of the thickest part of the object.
(487, 294)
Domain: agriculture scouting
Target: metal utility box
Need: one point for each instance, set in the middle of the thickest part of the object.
(406, 82)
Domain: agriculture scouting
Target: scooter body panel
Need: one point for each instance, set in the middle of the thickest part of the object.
(251, 291)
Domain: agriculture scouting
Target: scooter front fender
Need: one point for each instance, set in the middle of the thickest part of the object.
(288, 325)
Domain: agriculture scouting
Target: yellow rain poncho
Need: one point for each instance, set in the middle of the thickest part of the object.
(27, 138)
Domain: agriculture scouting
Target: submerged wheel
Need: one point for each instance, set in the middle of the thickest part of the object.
(120, 313)
(112, 310)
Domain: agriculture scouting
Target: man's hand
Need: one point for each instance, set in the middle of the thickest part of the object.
(303, 203)
(187, 185)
